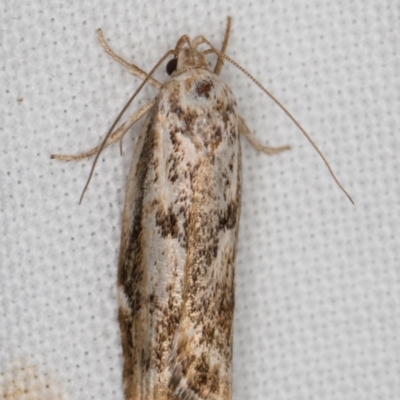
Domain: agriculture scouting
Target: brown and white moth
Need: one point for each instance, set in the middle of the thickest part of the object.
(176, 277)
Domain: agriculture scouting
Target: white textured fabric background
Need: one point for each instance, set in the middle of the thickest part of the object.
(318, 280)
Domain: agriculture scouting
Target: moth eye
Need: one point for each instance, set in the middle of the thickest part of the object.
(171, 66)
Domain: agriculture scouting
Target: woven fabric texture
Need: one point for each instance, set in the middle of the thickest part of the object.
(317, 280)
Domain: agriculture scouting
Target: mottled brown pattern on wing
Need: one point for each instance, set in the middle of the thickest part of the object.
(208, 298)
(202, 357)
(132, 273)
(176, 271)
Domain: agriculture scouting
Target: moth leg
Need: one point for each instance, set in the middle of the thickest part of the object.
(117, 135)
(244, 130)
(133, 69)
(220, 62)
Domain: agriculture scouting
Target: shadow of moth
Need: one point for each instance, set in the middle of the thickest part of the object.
(176, 276)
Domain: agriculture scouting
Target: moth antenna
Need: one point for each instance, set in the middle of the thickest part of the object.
(287, 112)
(220, 61)
(167, 54)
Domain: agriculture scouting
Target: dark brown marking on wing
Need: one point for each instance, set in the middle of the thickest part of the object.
(168, 222)
(175, 103)
(131, 269)
(203, 88)
(132, 277)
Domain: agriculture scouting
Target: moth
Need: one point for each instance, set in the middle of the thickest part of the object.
(176, 274)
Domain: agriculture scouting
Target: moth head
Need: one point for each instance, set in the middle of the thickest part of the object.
(187, 56)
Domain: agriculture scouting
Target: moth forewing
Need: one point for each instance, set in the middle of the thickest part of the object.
(180, 226)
